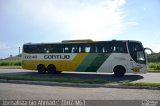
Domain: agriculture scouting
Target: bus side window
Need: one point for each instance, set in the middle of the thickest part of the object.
(87, 49)
(55, 48)
(106, 49)
(120, 47)
(75, 49)
(100, 49)
(83, 49)
(46, 50)
(67, 49)
(93, 49)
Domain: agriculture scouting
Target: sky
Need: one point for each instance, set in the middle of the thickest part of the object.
(37, 21)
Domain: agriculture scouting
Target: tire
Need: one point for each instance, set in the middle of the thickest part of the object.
(51, 69)
(119, 71)
(41, 69)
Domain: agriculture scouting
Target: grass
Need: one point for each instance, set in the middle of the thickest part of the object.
(60, 80)
(10, 67)
(154, 66)
(142, 84)
(30, 78)
(10, 63)
(153, 70)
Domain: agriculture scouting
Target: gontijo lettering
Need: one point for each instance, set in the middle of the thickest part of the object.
(59, 57)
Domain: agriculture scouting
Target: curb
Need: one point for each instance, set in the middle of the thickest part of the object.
(77, 84)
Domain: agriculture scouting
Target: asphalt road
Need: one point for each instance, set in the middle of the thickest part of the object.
(123, 97)
(43, 92)
(149, 77)
(91, 96)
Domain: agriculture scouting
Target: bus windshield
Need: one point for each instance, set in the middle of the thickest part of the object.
(137, 52)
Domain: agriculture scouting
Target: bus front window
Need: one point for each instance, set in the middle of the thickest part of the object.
(140, 56)
(136, 51)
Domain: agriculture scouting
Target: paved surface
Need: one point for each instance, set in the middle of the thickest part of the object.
(92, 95)
(149, 77)
(41, 92)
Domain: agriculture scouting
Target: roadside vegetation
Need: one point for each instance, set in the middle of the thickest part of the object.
(11, 62)
(154, 67)
(53, 79)
(153, 84)
(155, 58)
(154, 62)
(10, 67)
(68, 80)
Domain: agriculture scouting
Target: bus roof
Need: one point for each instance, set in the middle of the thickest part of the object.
(82, 41)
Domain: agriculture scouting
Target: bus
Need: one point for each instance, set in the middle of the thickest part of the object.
(115, 56)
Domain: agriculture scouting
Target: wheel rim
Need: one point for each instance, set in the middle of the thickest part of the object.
(119, 71)
(41, 68)
(51, 69)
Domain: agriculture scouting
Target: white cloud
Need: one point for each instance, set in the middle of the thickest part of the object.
(4, 46)
(80, 19)
(132, 23)
(6, 50)
(97, 21)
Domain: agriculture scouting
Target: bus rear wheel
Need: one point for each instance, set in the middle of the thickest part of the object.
(41, 69)
(119, 71)
(51, 69)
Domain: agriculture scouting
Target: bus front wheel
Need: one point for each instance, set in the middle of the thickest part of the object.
(119, 71)
(41, 69)
(51, 69)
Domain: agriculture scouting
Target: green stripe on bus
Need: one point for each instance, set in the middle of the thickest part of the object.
(87, 62)
(98, 61)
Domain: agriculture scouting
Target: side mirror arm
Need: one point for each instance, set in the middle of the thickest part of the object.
(149, 49)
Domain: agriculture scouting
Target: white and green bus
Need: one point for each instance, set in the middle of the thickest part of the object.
(116, 56)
